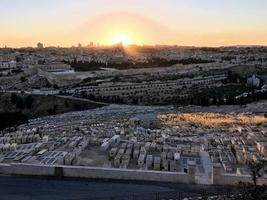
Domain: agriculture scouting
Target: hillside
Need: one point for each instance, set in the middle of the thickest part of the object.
(23, 107)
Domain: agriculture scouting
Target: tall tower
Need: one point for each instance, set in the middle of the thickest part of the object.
(40, 45)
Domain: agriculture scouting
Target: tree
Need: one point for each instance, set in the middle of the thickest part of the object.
(116, 78)
(83, 94)
(55, 86)
(255, 168)
(55, 108)
(67, 105)
(252, 191)
(29, 101)
(248, 191)
(23, 79)
(14, 98)
(20, 103)
(92, 97)
(10, 119)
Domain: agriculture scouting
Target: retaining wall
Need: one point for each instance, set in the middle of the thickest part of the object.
(119, 174)
(27, 169)
(231, 179)
(95, 172)
(123, 174)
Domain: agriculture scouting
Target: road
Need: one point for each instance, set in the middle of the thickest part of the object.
(30, 188)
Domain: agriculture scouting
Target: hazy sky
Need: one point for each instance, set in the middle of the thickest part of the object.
(182, 22)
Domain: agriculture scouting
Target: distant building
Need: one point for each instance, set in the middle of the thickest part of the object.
(8, 65)
(40, 45)
(253, 81)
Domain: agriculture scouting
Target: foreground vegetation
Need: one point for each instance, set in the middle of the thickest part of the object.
(150, 63)
(18, 108)
(9, 119)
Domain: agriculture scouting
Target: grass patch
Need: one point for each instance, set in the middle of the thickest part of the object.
(212, 120)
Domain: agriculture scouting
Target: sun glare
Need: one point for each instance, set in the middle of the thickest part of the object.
(125, 40)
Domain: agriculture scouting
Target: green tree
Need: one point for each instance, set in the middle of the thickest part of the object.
(29, 101)
(19, 103)
(55, 86)
(23, 79)
(14, 98)
(255, 168)
(67, 105)
(248, 191)
(83, 94)
(55, 109)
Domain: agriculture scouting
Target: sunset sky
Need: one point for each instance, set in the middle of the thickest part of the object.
(180, 22)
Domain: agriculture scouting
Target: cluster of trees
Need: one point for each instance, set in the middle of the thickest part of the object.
(23, 79)
(161, 62)
(152, 62)
(22, 102)
(234, 78)
(113, 99)
(250, 192)
(53, 110)
(9, 119)
(228, 58)
(86, 66)
(253, 191)
(203, 98)
(254, 96)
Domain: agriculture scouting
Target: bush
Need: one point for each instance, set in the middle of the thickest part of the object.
(250, 192)
(23, 79)
(14, 98)
(67, 105)
(29, 101)
(11, 119)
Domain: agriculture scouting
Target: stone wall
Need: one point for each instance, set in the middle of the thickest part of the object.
(231, 179)
(4, 168)
(60, 80)
(95, 172)
(119, 174)
(27, 169)
(125, 174)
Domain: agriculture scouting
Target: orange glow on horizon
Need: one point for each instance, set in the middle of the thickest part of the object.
(129, 28)
(123, 39)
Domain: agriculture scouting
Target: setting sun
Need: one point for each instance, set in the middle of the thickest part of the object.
(125, 40)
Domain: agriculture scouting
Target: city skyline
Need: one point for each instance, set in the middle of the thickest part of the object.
(186, 23)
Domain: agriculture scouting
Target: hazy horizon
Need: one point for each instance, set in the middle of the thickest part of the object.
(129, 46)
(209, 23)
